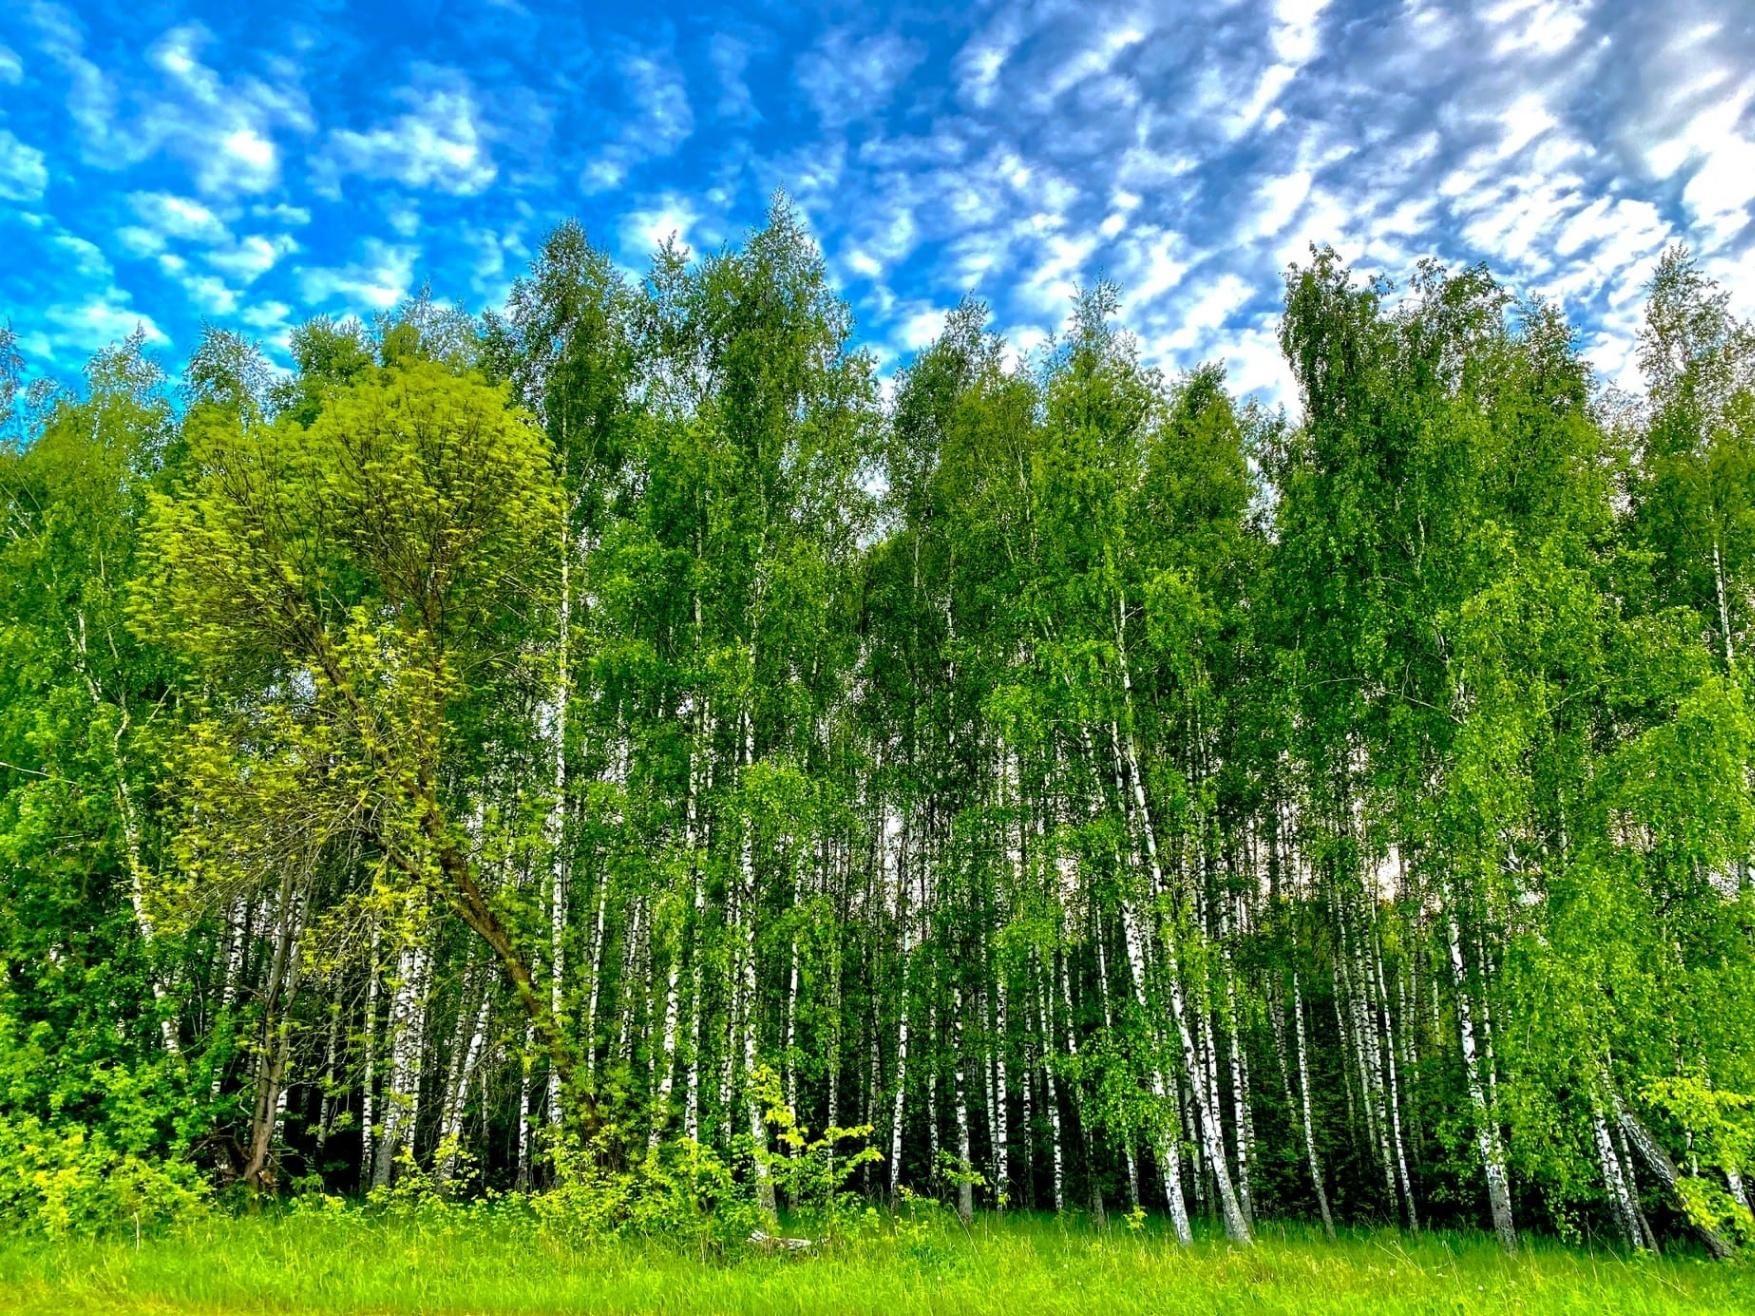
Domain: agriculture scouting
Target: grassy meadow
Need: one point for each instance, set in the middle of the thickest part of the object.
(462, 1262)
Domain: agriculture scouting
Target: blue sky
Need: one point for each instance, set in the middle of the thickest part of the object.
(166, 163)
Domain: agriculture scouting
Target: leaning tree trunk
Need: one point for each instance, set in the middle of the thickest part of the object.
(1658, 1161)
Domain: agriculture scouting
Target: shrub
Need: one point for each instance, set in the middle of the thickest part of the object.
(57, 1180)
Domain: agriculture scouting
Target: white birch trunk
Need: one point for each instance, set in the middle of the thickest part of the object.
(667, 1049)
(792, 1032)
(555, 824)
(1239, 1095)
(1328, 1221)
(594, 991)
(368, 1107)
(1615, 1182)
(407, 1029)
(1052, 1097)
(457, 1095)
(167, 1022)
(1395, 1111)
(904, 875)
(239, 917)
(1486, 1127)
(1658, 1161)
(524, 1059)
(932, 1034)
(965, 1186)
(326, 1107)
(1236, 1227)
(1002, 1102)
(758, 1127)
(1128, 1158)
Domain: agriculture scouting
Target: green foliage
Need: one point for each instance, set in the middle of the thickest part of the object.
(57, 1179)
(686, 1194)
(680, 1192)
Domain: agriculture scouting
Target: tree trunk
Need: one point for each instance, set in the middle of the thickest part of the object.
(1615, 1182)
(965, 1166)
(1658, 1161)
(1328, 1221)
(1236, 1227)
(407, 1049)
(1486, 1127)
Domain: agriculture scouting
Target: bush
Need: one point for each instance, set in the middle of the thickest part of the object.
(680, 1192)
(687, 1194)
(59, 1180)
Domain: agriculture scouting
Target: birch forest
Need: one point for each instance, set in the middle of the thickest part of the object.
(628, 729)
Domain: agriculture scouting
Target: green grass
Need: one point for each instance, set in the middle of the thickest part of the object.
(479, 1262)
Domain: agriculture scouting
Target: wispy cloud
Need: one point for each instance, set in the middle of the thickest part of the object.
(848, 78)
(380, 277)
(657, 117)
(24, 175)
(436, 142)
(222, 128)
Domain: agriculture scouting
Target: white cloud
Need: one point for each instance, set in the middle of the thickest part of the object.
(1163, 272)
(228, 125)
(253, 256)
(212, 295)
(662, 95)
(644, 231)
(138, 240)
(919, 328)
(250, 148)
(730, 58)
(863, 264)
(1722, 189)
(1296, 33)
(659, 120)
(23, 174)
(1538, 27)
(84, 258)
(437, 143)
(1207, 309)
(265, 315)
(170, 216)
(1057, 279)
(1023, 341)
(979, 63)
(1279, 200)
(1563, 140)
(1274, 80)
(378, 281)
(294, 216)
(1515, 228)
(849, 78)
(222, 128)
(93, 324)
(1094, 59)
(1703, 130)
(1254, 363)
(1522, 122)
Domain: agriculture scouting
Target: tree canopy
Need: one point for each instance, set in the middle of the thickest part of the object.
(620, 723)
